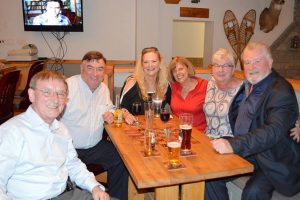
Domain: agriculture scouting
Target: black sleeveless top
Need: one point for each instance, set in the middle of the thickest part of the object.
(134, 95)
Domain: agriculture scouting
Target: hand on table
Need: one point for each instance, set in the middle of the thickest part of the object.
(222, 146)
(129, 118)
(99, 194)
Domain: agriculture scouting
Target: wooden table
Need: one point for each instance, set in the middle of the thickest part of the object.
(152, 172)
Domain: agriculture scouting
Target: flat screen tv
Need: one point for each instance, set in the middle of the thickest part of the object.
(53, 15)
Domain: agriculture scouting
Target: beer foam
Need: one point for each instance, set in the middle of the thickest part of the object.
(173, 144)
(185, 126)
(157, 100)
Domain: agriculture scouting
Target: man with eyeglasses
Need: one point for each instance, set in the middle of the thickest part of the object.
(88, 107)
(261, 120)
(36, 150)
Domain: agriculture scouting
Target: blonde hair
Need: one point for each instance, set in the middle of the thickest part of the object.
(161, 81)
(223, 54)
(183, 61)
(259, 45)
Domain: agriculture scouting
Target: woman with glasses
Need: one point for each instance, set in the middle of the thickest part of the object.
(221, 89)
(188, 91)
(149, 78)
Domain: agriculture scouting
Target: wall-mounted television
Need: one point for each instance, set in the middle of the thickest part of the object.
(53, 15)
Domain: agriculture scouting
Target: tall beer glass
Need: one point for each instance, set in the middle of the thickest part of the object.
(185, 126)
(148, 141)
(173, 144)
(149, 114)
(157, 106)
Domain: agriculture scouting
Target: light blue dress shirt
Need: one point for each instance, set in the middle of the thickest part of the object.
(36, 159)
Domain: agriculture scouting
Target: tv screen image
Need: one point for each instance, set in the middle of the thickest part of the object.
(53, 15)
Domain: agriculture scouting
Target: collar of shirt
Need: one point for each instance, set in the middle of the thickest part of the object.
(259, 87)
(36, 120)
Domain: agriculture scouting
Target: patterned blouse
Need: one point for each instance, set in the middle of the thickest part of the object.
(216, 107)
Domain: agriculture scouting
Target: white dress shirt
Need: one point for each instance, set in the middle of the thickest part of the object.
(83, 114)
(36, 159)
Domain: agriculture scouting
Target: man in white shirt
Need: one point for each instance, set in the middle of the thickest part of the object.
(36, 150)
(89, 106)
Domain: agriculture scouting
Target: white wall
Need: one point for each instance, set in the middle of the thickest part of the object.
(121, 28)
(188, 39)
(109, 26)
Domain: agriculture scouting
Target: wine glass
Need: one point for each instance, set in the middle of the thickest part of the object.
(136, 110)
(165, 117)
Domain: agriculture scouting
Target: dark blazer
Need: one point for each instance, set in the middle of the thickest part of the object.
(268, 145)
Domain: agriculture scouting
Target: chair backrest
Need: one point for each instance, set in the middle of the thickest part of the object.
(35, 68)
(109, 79)
(8, 84)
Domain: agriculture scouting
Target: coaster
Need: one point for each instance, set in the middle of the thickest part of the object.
(154, 154)
(187, 153)
(175, 167)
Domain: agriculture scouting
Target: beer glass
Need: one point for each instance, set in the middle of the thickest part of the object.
(149, 114)
(173, 145)
(157, 106)
(149, 138)
(185, 126)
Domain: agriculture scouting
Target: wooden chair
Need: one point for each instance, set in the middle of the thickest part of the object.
(35, 68)
(109, 79)
(8, 84)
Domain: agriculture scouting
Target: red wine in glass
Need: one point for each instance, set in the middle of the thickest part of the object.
(164, 116)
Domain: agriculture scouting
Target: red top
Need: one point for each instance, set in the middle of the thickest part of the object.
(193, 103)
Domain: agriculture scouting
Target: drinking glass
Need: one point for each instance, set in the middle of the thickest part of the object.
(149, 142)
(149, 114)
(165, 117)
(136, 110)
(157, 106)
(150, 95)
(185, 126)
(173, 144)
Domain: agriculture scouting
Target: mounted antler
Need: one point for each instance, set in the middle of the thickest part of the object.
(269, 17)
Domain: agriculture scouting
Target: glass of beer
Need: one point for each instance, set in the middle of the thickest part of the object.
(185, 126)
(157, 106)
(148, 141)
(173, 145)
(149, 114)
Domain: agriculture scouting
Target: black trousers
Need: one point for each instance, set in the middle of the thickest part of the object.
(257, 187)
(105, 154)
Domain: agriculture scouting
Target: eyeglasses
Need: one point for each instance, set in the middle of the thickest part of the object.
(252, 62)
(50, 93)
(223, 66)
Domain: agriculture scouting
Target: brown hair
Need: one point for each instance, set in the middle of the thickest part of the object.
(93, 55)
(183, 61)
(47, 75)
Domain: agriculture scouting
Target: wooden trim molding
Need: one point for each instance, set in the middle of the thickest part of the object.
(240, 75)
(194, 12)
